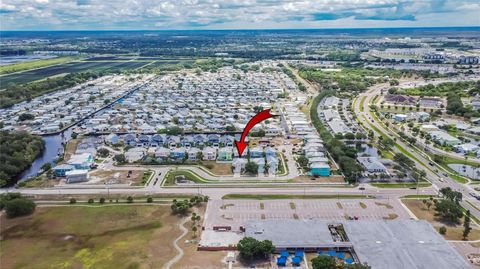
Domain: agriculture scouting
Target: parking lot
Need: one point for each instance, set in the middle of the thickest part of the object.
(235, 213)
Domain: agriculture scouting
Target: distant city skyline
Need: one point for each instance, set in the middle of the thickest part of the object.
(234, 14)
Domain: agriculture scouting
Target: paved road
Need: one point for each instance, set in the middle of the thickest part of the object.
(436, 179)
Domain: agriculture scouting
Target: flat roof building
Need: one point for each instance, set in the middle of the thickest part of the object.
(393, 244)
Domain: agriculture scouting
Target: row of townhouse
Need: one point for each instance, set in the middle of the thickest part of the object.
(312, 143)
(330, 115)
(172, 141)
(266, 158)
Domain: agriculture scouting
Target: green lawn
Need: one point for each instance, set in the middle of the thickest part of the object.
(402, 185)
(458, 178)
(362, 103)
(5, 69)
(170, 177)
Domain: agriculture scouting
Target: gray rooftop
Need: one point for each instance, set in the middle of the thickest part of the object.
(382, 244)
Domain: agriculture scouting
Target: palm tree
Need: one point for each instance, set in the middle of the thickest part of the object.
(194, 230)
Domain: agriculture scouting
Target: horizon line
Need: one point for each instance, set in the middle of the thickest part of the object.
(240, 29)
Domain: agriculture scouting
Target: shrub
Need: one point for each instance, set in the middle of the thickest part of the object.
(442, 230)
(149, 200)
(73, 201)
(102, 200)
(129, 199)
(90, 201)
(19, 207)
(4, 198)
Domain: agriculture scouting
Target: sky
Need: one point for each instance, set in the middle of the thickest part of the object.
(234, 14)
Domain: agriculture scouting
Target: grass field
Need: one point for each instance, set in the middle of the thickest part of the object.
(90, 237)
(454, 231)
(71, 67)
(6, 69)
(402, 185)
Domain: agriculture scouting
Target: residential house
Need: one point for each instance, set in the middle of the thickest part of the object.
(272, 163)
(261, 165)
(173, 141)
(238, 165)
(225, 154)
(61, 169)
(135, 154)
(270, 152)
(178, 153)
(214, 139)
(199, 139)
(130, 139)
(112, 139)
(193, 154)
(162, 154)
(256, 152)
(320, 169)
(209, 154)
(227, 141)
(81, 161)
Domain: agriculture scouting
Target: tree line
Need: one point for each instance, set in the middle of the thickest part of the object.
(17, 152)
(345, 156)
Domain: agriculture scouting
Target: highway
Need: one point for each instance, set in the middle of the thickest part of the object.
(422, 159)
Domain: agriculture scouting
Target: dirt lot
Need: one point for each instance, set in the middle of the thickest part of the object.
(454, 232)
(90, 237)
(218, 168)
(116, 177)
(70, 148)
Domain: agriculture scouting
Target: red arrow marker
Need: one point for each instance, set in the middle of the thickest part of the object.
(241, 145)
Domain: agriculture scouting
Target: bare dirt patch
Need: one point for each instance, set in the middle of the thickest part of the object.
(454, 231)
(218, 168)
(116, 176)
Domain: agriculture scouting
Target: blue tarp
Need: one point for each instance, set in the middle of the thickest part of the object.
(284, 254)
(332, 253)
(296, 261)
(281, 261)
(299, 254)
(323, 253)
(341, 255)
(348, 261)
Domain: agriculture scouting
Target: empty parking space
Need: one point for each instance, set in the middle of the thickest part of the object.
(235, 213)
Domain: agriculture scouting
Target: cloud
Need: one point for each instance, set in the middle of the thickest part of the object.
(223, 14)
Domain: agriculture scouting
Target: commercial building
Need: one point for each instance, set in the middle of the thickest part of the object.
(444, 138)
(372, 164)
(395, 244)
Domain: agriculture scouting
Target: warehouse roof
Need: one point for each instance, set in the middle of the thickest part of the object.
(393, 244)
